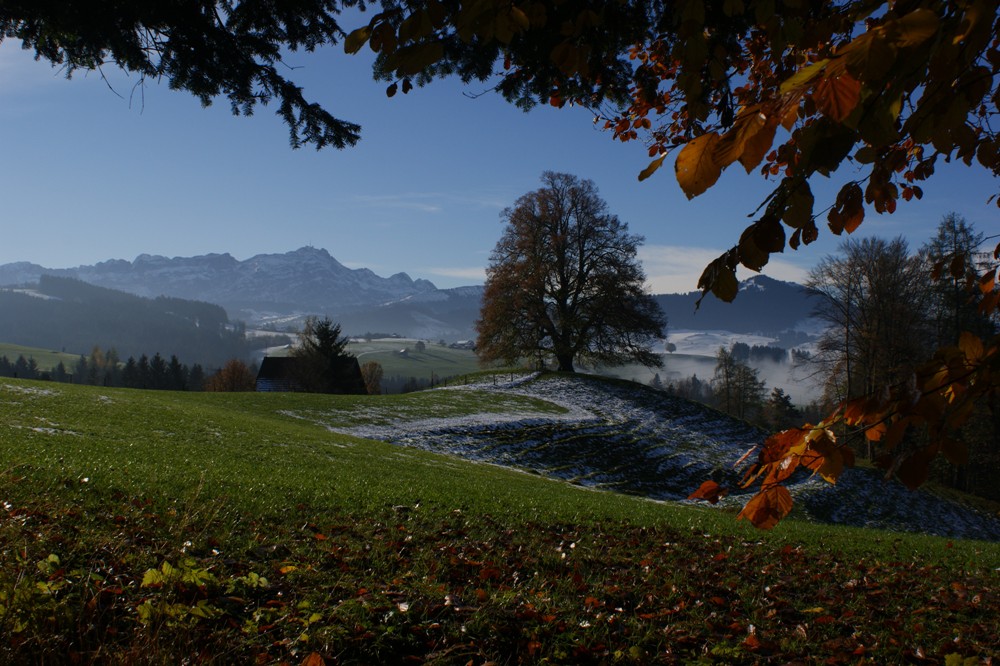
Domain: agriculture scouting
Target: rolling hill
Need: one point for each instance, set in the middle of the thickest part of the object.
(251, 528)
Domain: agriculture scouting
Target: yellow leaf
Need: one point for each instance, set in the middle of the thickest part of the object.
(357, 39)
(913, 29)
(651, 169)
(804, 76)
(971, 346)
(695, 168)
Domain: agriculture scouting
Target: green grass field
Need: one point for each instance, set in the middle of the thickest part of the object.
(160, 527)
(441, 360)
(46, 359)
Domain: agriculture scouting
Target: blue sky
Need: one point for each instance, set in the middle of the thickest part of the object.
(88, 173)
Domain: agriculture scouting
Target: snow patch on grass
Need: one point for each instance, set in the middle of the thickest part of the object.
(643, 442)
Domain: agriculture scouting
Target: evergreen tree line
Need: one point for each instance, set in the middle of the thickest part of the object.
(737, 389)
(105, 368)
(70, 314)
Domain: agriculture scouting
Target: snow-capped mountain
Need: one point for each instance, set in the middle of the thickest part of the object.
(308, 279)
(281, 289)
(763, 305)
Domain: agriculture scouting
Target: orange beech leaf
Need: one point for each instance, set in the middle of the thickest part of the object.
(854, 411)
(782, 444)
(651, 169)
(988, 281)
(971, 346)
(710, 491)
(696, 168)
(876, 432)
(768, 507)
(723, 283)
(837, 96)
(848, 212)
(825, 457)
(314, 659)
(758, 145)
(781, 470)
(833, 465)
(730, 147)
(751, 254)
(768, 234)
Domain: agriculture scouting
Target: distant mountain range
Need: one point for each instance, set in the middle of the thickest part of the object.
(307, 279)
(278, 290)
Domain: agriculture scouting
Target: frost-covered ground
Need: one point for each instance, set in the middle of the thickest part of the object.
(638, 441)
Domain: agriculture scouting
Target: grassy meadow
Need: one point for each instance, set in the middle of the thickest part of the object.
(46, 359)
(439, 359)
(162, 527)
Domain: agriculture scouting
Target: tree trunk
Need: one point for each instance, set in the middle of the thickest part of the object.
(565, 362)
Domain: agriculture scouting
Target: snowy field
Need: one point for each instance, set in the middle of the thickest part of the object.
(643, 442)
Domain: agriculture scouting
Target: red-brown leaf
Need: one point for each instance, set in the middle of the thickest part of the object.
(768, 507)
(837, 96)
(710, 491)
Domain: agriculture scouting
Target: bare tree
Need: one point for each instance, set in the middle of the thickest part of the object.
(564, 282)
(874, 296)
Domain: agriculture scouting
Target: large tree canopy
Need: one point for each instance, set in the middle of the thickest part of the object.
(564, 282)
(209, 48)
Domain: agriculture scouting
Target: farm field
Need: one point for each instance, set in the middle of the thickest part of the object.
(439, 359)
(46, 359)
(276, 528)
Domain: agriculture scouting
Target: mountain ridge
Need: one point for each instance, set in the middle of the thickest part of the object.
(301, 278)
(277, 290)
